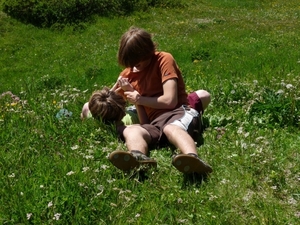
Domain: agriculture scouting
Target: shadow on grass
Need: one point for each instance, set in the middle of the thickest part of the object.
(140, 175)
(193, 179)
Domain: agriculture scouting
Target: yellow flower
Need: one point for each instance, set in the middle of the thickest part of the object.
(13, 104)
(54, 102)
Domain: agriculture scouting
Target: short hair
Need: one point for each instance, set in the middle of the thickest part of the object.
(107, 105)
(136, 45)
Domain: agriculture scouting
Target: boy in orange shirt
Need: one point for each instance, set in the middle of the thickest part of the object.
(158, 92)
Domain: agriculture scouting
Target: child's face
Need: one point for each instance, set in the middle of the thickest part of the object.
(142, 65)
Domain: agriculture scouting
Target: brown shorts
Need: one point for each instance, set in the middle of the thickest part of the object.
(155, 128)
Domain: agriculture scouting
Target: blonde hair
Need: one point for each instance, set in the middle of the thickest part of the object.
(136, 45)
(107, 105)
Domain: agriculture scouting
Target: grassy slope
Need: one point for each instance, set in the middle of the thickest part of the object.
(235, 50)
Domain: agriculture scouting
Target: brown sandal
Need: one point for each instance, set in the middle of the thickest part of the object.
(130, 160)
(190, 163)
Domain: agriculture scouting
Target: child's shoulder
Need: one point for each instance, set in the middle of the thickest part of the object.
(164, 56)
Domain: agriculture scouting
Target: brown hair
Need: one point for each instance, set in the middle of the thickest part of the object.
(136, 45)
(107, 105)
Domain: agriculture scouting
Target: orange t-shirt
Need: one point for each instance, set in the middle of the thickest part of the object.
(149, 81)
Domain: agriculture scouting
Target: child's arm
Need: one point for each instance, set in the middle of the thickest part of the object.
(115, 86)
(143, 118)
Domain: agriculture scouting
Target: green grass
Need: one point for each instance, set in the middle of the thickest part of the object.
(246, 53)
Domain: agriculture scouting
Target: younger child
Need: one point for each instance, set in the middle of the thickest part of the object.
(110, 107)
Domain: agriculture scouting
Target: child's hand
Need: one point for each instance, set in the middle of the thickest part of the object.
(132, 96)
(125, 85)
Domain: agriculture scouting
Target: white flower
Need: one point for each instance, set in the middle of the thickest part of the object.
(224, 181)
(288, 86)
(70, 173)
(280, 92)
(240, 130)
(12, 175)
(50, 204)
(84, 169)
(28, 215)
(56, 216)
(110, 181)
(89, 157)
(75, 147)
(104, 167)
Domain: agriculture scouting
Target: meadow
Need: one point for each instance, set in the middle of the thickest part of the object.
(54, 169)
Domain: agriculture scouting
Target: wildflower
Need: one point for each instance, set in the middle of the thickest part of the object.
(80, 184)
(56, 216)
(137, 215)
(50, 204)
(280, 92)
(110, 181)
(12, 175)
(13, 104)
(240, 130)
(244, 145)
(70, 173)
(28, 215)
(41, 186)
(212, 197)
(84, 169)
(54, 102)
(288, 86)
(75, 147)
(179, 200)
(292, 201)
(224, 181)
(89, 157)
(104, 167)
(21, 193)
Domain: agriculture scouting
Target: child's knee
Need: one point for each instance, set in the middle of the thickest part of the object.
(85, 111)
(205, 97)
